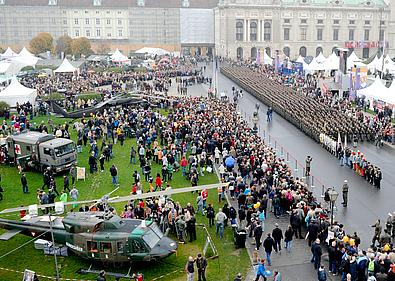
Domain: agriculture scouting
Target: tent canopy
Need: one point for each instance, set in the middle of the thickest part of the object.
(332, 62)
(25, 52)
(65, 67)
(117, 56)
(267, 59)
(315, 66)
(16, 92)
(152, 51)
(377, 91)
(320, 58)
(9, 53)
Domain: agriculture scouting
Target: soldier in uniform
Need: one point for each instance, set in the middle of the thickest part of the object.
(377, 178)
(377, 232)
(345, 193)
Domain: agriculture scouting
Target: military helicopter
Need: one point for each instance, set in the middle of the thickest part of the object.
(101, 236)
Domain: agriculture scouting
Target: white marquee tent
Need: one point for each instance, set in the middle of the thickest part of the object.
(66, 67)
(315, 66)
(117, 56)
(352, 60)
(320, 58)
(25, 52)
(377, 91)
(267, 59)
(152, 51)
(332, 62)
(9, 53)
(16, 92)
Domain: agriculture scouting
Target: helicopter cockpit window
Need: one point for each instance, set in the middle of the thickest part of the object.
(105, 247)
(92, 246)
(151, 238)
(138, 247)
(120, 246)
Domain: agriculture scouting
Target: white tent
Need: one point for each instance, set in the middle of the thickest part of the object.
(117, 56)
(300, 59)
(332, 62)
(65, 67)
(320, 58)
(389, 64)
(25, 60)
(152, 51)
(352, 59)
(315, 66)
(376, 91)
(16, 92)
(25, 52)
(375, 64)
(267, 59)
(9, 69)
(9, 53)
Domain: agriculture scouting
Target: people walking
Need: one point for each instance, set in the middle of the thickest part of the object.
(190, 269)
(220, 220)
(377, 232)
(66, 183)
(74, 196)
(25, 188)
(261, 271)
(288, 236)
(316, 250)
(308, 165)
(322, 274)
(258, 235)
(268, 244)
(114, 174)
(201, 264)
(277, 235)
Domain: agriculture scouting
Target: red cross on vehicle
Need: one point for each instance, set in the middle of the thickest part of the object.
(17, 149)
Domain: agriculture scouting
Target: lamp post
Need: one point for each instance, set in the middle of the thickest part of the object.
(333, 194)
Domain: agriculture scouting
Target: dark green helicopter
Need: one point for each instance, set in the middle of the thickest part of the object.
(101, 236)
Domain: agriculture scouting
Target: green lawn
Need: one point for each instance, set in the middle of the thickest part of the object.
(94, 187)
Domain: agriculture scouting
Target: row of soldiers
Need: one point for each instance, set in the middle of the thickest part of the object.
(311, 116)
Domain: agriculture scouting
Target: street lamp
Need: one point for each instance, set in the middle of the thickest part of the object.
(333, 194)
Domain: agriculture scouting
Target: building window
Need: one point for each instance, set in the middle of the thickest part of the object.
(64, 22)
(253, 53)
(287, 51)
(77, 33)
(286, 34)
(120, 34)
(87, 21)
(98, 33)
(336, 21)
(319, 34)
(351, 33)
(109, 35)
(303, 34)
(267, 31)
(335, 34)
(119, 22)
(382, 22)
(52, 2)
(320, 21)
(381, 35)
(287, 21)
(108, 21)
(366, 35)
(352, 22)
(253, 31)
(239, 31)
(97, 21)
(96, 2)
(367, 22)
(303, 51)
(303, 21)
(75, 21)
(268, 51)
(365, 53)
(87, 33)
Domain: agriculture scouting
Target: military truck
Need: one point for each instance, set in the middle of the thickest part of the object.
(40, 151)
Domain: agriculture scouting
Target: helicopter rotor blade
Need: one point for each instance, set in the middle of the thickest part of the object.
(119, 199)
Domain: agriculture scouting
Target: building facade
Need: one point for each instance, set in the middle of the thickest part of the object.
(237, 28)
(300, 27)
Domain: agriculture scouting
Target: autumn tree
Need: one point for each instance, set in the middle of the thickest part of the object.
(64, 44)
(2, 50)
(103, 48)
(41, 43)
(81, 46)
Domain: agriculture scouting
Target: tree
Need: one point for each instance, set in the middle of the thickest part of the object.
(2, 50)
(81, 46)
(41, 43)
(63, 44)
(103, 48)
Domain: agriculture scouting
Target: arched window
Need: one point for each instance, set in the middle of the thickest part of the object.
(268, 51)
(239, 31)
(318, 51)
(303, 51)
(334, 50)
(267, 31)
(365, 53)
(253, 31)
(239, 52)
(253, 53)
(287, 51)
